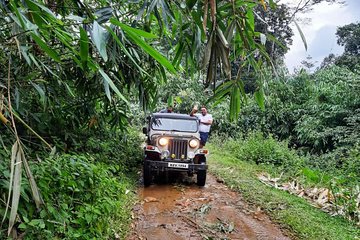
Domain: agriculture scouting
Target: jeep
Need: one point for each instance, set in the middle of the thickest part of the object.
(172, 144)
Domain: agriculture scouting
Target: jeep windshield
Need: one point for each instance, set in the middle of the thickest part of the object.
(178, 125)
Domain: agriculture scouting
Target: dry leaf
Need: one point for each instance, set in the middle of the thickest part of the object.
(150, 199)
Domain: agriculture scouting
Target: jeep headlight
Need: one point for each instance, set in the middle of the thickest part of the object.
(163, 141)
(193, 143)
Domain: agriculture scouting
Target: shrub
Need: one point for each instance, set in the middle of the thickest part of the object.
(122, 149)
(266, 150)
(83, 200)
(86, 195)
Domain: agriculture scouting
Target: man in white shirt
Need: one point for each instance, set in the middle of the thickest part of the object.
(205, 122)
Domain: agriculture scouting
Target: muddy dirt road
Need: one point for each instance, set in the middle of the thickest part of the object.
(185, 211)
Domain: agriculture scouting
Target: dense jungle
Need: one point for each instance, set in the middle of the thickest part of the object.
(79, 78)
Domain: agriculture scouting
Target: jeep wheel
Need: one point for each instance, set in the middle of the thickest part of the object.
(201, 178)
(147, 174)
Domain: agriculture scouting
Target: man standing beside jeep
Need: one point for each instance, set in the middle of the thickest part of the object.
(205, 122)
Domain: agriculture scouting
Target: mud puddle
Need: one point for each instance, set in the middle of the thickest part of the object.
(185, 211)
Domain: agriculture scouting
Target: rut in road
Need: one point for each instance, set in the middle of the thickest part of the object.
(174, 212)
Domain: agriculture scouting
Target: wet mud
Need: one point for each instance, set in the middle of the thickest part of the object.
(174, 211)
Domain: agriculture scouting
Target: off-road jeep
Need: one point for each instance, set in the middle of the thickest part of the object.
(172, 145)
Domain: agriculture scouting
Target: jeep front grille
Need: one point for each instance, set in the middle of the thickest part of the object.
(178, 147)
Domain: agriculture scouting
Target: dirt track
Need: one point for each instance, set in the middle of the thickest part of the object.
(185, 211)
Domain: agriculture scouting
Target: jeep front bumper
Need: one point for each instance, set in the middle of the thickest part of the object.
(162, 166)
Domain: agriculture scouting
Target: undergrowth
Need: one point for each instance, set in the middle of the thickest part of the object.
(87, 193)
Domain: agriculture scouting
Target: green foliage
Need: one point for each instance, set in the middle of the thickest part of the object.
(328, 115)
(349, 36)
(317, 113)
(265, 150)
(87, 195)
(115, 148)
(185, 91)
(84, 200)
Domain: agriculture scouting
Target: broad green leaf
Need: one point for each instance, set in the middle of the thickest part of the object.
(133, 30)
(241, 85)
(52, 53)
(235, 103)
(84, 47)
(112, 85)
(16, 188)
(197, 17)
(221, 92)
(99, 39)
(107, 90)
(24, 50)
(229, 33)
(23, 22)
(260, 98)
(20, 20)
(301, 35)
(66, 39)
(41, 93)
(34, 188)
(14, 151)
(179, 52)
(40, 5)
(250, 20)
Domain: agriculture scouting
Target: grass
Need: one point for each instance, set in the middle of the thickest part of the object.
(292, 213)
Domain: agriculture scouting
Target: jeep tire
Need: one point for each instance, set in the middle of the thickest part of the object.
(147, 173)
(201, 178)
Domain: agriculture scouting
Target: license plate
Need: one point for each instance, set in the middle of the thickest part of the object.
(178, 165)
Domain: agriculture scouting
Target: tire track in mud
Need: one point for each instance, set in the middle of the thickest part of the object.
(185, 211)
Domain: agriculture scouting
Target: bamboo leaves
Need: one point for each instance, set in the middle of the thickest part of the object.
(15, 182)
(98, 36)
(52, 53)
(260, 98)
(135, 35)
(84, 47)
(34, 189)
(17, 161)
(301, 35)
(108, 82)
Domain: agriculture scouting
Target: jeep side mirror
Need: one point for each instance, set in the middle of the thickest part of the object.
(145, 131)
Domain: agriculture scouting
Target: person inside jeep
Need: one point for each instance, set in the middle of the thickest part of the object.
(205, 120)
(170, 106)
(168, 109)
